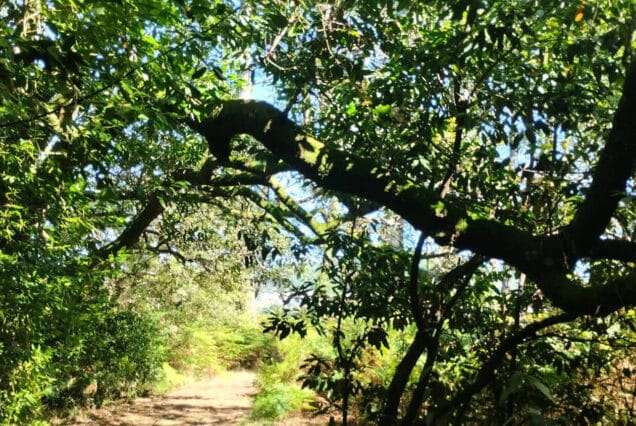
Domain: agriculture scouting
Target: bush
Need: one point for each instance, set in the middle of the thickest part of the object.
(167, 379)
(205, 349)
(28, 384)
(280, 392)
(65, 343)
(120, 360)
(128, 356)
(279, 400)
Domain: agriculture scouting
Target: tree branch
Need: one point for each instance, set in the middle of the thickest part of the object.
(615, 166)
(546, 260)
(487, 370)
(624, 251)
(153, 207)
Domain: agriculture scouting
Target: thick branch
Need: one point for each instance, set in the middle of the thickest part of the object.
(546, 260)
(135, 228)
(616, 164)
(340, 171)
(624, 251)
(401, 376)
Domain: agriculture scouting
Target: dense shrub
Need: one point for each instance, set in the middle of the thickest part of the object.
(64, 343)
(279, 400)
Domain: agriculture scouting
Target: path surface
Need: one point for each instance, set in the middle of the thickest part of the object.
(221, 400)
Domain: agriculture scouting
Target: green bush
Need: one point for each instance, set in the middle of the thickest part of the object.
(245, 345)
(193, 351)
(204, 348)
(29, 382)
(279, 390)
(118, 355)
(65, 343)
(279, 400)
(128, 355)
(167, 379)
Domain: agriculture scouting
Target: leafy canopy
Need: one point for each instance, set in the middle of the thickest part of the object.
(500, 128)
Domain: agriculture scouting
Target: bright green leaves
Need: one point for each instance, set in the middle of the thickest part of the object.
(382, 110)
(351, 109)
(90, 95)
(439, 208)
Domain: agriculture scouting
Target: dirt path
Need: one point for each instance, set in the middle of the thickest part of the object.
(221, 400)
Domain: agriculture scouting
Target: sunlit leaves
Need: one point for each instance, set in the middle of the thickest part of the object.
(502, 107)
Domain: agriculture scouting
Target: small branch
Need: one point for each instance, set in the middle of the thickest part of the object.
(280, 214)
(461, 108)
(317, 228)
(464, 273)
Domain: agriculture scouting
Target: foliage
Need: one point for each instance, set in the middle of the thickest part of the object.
(168, 379)
(279, 392)
(500, 130)
(56, 357)
(206, 349)
(204, 293)
(278, 401)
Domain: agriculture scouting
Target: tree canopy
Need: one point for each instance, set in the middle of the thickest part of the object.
(503, 132)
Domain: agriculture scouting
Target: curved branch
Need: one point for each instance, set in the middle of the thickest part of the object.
(414, 298)
(615, 166)
(345, 172)
(135, 228)
(545, 260)
(487, 370)
(153, 207)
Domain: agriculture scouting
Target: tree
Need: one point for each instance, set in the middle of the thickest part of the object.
(532, 204)
(503, 129)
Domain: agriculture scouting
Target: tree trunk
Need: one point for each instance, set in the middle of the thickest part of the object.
(400, 379)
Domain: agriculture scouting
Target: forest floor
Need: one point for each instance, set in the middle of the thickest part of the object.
(221, 400)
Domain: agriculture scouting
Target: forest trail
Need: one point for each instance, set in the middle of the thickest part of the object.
(221, 400)
(225, 399)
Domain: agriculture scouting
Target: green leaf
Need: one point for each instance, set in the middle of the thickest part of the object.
(536, 417)
(382, 110)
(514, 384)
(541, 388)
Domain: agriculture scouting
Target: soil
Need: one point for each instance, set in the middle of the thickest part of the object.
(221, 400)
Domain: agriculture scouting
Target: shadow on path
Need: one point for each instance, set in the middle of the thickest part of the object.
(222, 400)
